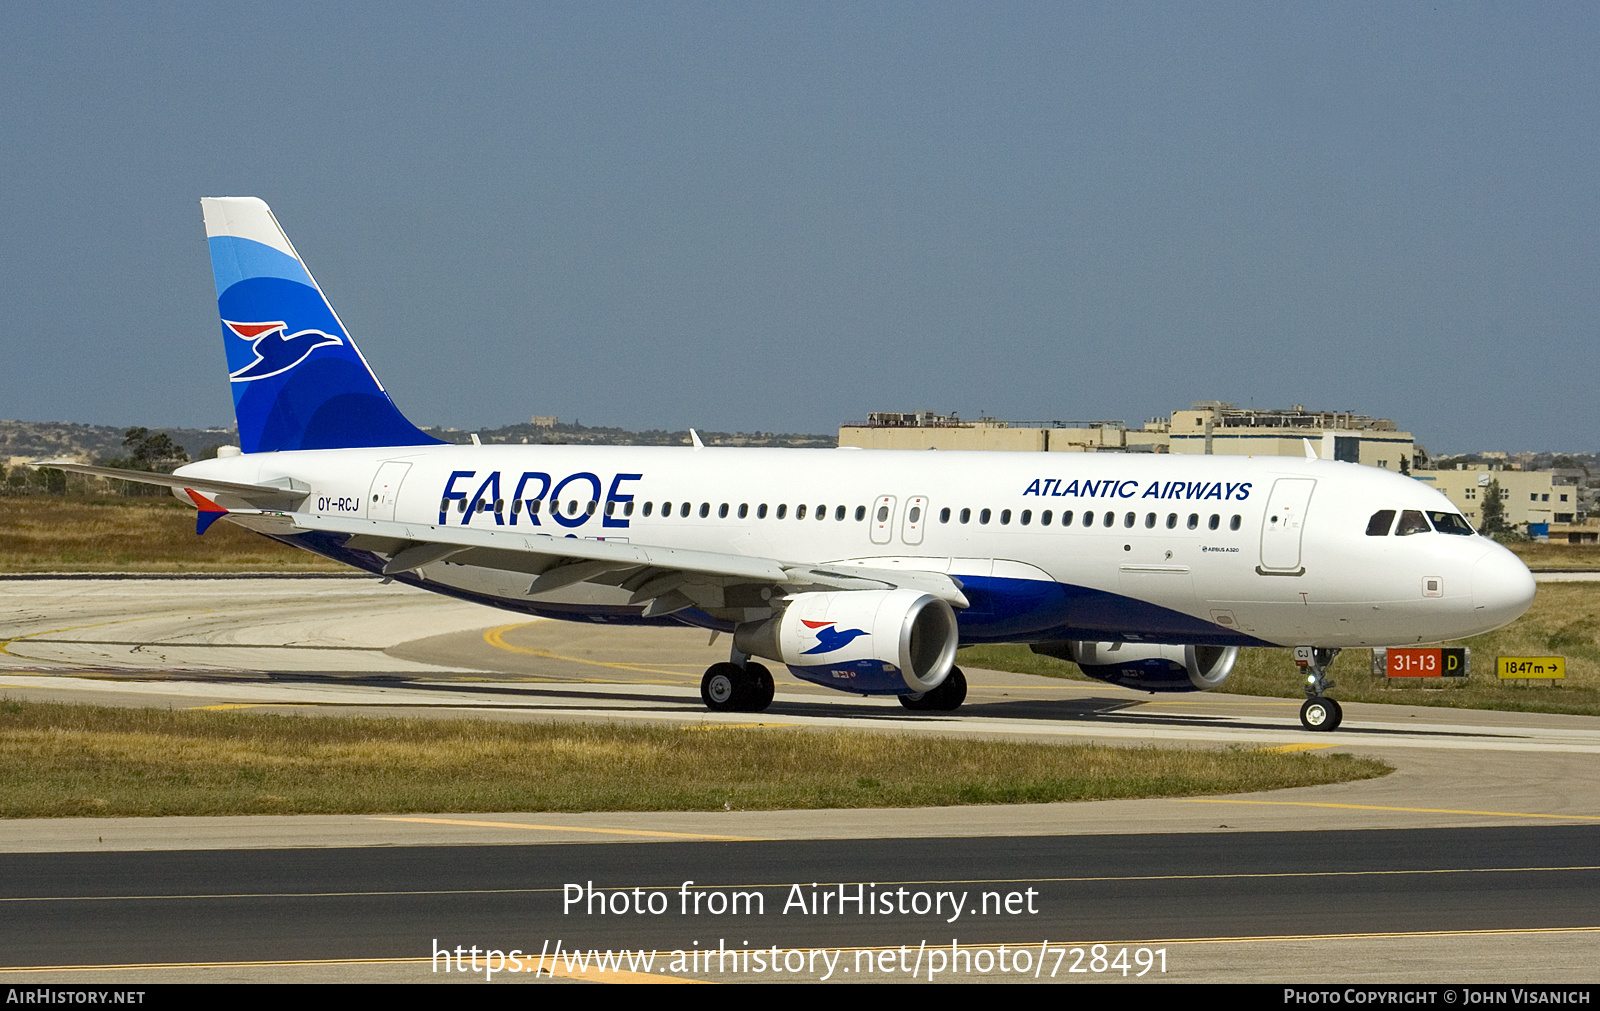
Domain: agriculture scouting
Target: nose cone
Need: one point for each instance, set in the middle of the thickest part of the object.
(1502, 588)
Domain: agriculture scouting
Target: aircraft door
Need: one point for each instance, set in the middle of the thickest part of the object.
(882, 519)
(1283, 527)
(385, 493)
(916, 518)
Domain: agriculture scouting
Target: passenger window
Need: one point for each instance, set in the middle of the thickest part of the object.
(744, 509)
(705, 509)
(822, 512)
(1233, 524)
(1111, 518)
(533, 507)
(722, 511)
(1088, 517)
(1451, 523)
(1194, 521)
(1412, 522)
(611, 508)
(461, 505)
(800, 512)
(783, 510)
(1066, 518)
(966, 514)
(1005, 517)
(915, 516)
(883, 514)
(861, 513)
(1172, 521)
(1026, 517)
(761, 511)
(1380, 523)
(983, 516)
(838, 514)
(683, 510)
(1150, 521)
(1128, 520)
(627, 509)
(1044, 518)
(1216, 521)
(647, 508)
(944, 515)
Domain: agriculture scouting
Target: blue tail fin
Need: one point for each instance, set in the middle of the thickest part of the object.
(298, 380)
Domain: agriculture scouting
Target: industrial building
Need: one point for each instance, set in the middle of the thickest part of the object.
(1209, 426)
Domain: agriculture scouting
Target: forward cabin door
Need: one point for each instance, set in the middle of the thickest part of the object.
(1283, 527)
(385, 493)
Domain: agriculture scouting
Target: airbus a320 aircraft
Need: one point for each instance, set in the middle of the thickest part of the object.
(859, 570)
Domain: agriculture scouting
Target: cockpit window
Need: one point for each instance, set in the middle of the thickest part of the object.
(1412, 522)
(1451, 523)
(1380, 523)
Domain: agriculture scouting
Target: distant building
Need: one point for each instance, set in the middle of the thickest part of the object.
(1530, 497)
(927, 430)
(544, 421)
(1223, 429)
(1209, 426)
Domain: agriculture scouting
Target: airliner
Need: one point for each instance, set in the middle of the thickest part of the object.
(859, 570)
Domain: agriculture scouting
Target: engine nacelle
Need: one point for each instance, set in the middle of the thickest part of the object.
(1148, 667)
(873, 642)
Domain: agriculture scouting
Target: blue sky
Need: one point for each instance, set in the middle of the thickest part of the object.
(779, 217)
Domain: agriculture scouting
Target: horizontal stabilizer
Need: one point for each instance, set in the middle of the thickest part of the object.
(260, 494)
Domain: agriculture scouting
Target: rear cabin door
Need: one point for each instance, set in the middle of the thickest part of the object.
(385, 493)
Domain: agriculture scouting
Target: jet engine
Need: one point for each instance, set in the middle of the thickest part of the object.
(873, 642)
(1147, 667)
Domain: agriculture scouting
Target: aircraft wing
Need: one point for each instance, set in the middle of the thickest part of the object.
(280, 494)
(665, 579)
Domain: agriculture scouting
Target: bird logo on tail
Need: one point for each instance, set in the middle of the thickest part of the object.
(276, 350)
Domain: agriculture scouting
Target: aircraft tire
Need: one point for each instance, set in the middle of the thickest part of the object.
(723, 688)
(759, 687)
(952, 691)
(1321, 714)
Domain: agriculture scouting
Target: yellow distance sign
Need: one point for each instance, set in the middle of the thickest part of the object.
(1509, 667)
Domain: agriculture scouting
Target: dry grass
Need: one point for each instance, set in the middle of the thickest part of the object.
(45, 534)
(63, 760)
(1557, 556)
(1563, 621)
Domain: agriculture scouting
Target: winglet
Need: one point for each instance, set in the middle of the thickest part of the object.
(209, 512)
(695, 437)
(1311, 454)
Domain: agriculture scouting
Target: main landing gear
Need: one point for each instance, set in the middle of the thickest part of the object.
(952, 691)
(736, 687)
(1319, 712)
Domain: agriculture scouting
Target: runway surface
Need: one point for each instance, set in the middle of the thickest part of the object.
(1476, 856)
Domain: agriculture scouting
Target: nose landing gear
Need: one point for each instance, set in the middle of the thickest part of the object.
(1318, 712)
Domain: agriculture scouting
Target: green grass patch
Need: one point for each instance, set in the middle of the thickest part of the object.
(71, 760)
(48, 534)
(1563, 621)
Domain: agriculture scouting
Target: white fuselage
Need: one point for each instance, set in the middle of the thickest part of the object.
(1227, 550)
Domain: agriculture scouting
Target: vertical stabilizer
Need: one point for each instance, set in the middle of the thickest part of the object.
(299, 382)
